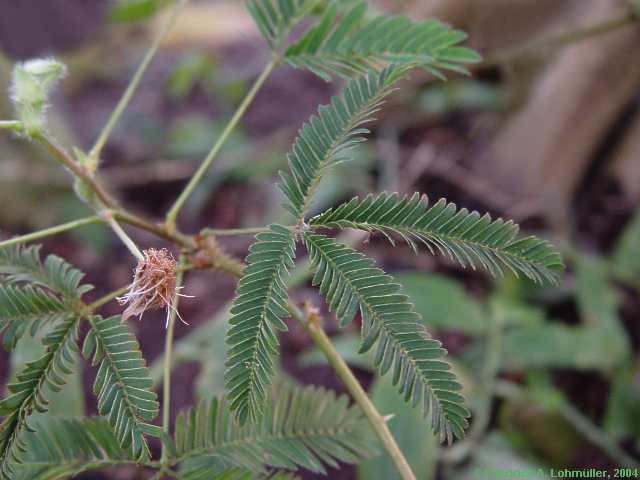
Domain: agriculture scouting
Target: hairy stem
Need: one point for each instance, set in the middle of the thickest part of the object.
(168, 351)
(47, 232)
(78, 170)
(172, 215)
(134, 83)
(315, 331)
(564, 38)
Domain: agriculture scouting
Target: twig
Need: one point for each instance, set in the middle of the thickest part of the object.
(173, 212)
(78, 170)
(133, 84)
(130, 244)
(107, 298)
(168, 351)
(564, 38)
(65, 227)
(222, 232)
(320, 338)
(11, 125)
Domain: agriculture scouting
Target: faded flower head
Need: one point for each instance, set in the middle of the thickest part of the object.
(153, 286)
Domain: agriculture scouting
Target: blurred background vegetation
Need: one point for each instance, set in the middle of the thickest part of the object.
(546, 131)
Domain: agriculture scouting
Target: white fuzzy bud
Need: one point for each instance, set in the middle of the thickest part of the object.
(30, 87)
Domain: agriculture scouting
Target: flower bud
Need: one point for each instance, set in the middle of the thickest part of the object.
(30, 87)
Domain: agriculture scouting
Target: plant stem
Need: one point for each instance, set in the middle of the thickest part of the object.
(221, 232)
(78, 170)
(130, 244)
(168, 351)
(315, 331)
(11, 125)
(172, 215)
(563, 38)
(65, 227)
(134, 83)
(107, 298)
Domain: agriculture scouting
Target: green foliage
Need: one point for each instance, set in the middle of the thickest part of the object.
(24, 307)
(347, 42)
(22, 264)
(59, 448)
(465, 237)
(257, 314)
(351, 282)
(326, 138)
(444, 303)
(276, 18)
(303, 427)
(123, 384)
(135, 10)
(28, 393)
(626, 255)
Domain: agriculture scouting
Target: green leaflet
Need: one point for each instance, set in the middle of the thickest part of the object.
(326, 138)
(22, 264)
(351, 282)
(347, 41)
(65, 447)
(123, 384)
(303, 427)
(28, 393)
(466, 237)
(354, 43)
(276, 18)
(256, 316)
(26, 307)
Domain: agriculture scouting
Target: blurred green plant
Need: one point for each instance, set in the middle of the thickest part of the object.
(254, 429)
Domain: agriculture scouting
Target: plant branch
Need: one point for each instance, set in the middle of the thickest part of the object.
(47, 232)
(92, 307)
(221, 232)
(134, 83)
(172, 215)
(600, 27)
(130, 244)
(78, 170)
(168, 351)
(314, 329)
(11, 125)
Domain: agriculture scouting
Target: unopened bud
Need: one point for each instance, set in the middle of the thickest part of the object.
(30, 87)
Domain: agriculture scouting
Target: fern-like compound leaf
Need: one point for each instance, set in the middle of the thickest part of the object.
(29, 392)
(123, 384)
(466, 237)
(25, 308)
(304, 427)
(276, 18)
(256, 316)
(351, 282)
(60, 448)
(355, 42)
(326, 138)
(23, 264)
